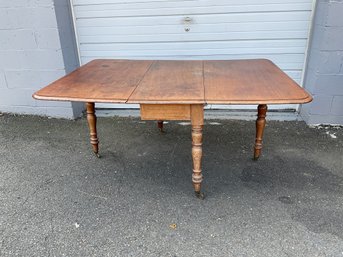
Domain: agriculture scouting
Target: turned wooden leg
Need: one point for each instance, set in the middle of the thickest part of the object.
(197, 118)
(260, 124)
(91, 118)
(197, 156)
(160, 125)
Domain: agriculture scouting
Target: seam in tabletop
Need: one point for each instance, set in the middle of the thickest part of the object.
(140, 81)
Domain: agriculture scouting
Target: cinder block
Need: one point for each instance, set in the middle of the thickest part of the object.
(60, 112)
(310, 80)
(41, 103)
(17, 39)
(3, 83)
(329, 85)
(31, 79)
(321, 13)
(20, 17)
(321, 104)
(333, 38)
(16, 97)
(337, 105)
(21, 99)
(56, 112)
(334, 14)
(44, 2)
(330, 62)
(44, 17)
(316, 119)
(304, 111)
(11, 59)
(22, 79)
(325, 119)
(313, 58)
(23, 109)
(28, 17)
(43, 59)
(48, 38)
(47, 77)
(14, 3)
(5, 21)
(317, 37)
(336, 120)
(30, 3)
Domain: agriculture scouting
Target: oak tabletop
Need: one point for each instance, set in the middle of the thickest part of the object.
(171, 82)
(177, 82)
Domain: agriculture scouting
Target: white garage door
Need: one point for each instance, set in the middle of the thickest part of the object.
(195, 29)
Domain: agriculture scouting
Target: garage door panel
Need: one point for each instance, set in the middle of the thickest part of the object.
(194, 10)
(236, 46)
(199, 19)
(196, 28)
(192, 52)
(193, 37)
(101, 2)
(121, 7)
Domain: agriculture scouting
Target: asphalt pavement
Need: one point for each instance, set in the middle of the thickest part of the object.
(58, 199)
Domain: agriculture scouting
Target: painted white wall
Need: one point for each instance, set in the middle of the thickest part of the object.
(30, 57)
(324, 75)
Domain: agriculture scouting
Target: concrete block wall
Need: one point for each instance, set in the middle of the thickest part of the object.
(33, 53)
(324, 72)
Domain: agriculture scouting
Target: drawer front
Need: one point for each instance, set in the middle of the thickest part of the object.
(165, 111)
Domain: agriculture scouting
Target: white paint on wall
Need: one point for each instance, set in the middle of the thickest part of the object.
(30, 57)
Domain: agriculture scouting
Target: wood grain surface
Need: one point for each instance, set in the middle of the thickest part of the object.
(250, 82)
(165, 111)
(177, 82)
(97, 81)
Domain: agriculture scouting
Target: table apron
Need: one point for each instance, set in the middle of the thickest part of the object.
(165, 111)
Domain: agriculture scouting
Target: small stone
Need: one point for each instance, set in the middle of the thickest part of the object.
(173, 226)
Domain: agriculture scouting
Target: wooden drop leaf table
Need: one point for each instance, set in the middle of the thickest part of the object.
(177, 90)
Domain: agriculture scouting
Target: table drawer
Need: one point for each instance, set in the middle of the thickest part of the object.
(165, 111)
